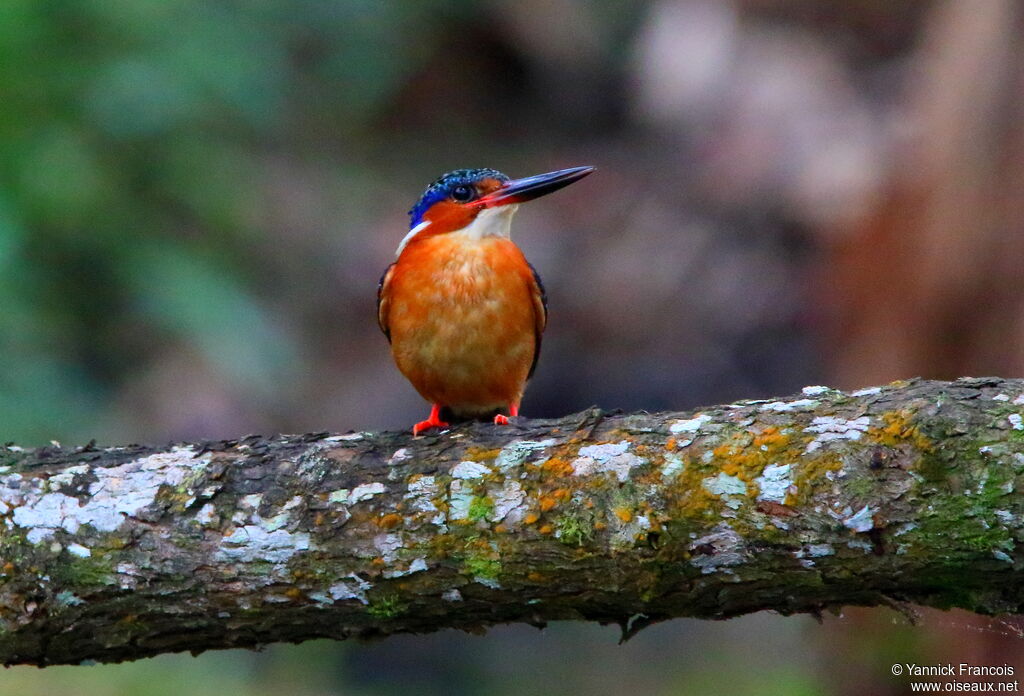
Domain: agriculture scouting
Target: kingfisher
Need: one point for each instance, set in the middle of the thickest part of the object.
(461, 306)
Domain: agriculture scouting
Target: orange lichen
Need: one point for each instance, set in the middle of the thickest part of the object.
(390, 521)
(731, 467)
(694, 500)
(479, 454)
(557, 466)
(899, 429)
(546, 529)
(624, 514)
(670, 444)
(500, 528)
(748, 453)
(293, 593)
(600, 525)
(811, 473)
(562, 494)
(547, 502)
(530, 518)
(771, 438)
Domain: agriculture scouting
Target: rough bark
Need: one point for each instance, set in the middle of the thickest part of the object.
(904, 493)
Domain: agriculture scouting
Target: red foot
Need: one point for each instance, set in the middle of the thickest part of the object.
(513, 411)
(434, 421)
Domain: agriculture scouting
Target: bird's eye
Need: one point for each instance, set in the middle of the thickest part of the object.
(463, 193)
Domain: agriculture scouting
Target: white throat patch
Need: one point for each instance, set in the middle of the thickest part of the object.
(491, 222)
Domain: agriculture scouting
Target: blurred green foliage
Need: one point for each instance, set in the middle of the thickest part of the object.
(131, 132)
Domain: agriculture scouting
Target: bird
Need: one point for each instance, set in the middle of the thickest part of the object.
(462, 308)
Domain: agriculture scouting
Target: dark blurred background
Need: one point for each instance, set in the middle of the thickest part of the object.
(197, 199)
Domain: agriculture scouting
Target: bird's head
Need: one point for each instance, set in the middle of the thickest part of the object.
(480, 202)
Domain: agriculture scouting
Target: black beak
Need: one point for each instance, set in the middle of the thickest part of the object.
(522, 190)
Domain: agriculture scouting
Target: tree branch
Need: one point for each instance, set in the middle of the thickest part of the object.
(905, 493)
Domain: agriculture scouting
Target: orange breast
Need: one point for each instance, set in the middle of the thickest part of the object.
(462, 321)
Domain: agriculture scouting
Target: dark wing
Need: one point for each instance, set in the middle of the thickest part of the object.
(540, 314)
(384, 301)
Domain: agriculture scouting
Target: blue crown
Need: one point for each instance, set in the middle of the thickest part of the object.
(443, 186)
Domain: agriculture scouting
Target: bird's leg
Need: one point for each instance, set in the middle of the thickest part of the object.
(434, 421)
(513, 411)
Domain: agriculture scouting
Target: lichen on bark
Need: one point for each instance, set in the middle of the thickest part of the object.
(902, 493)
